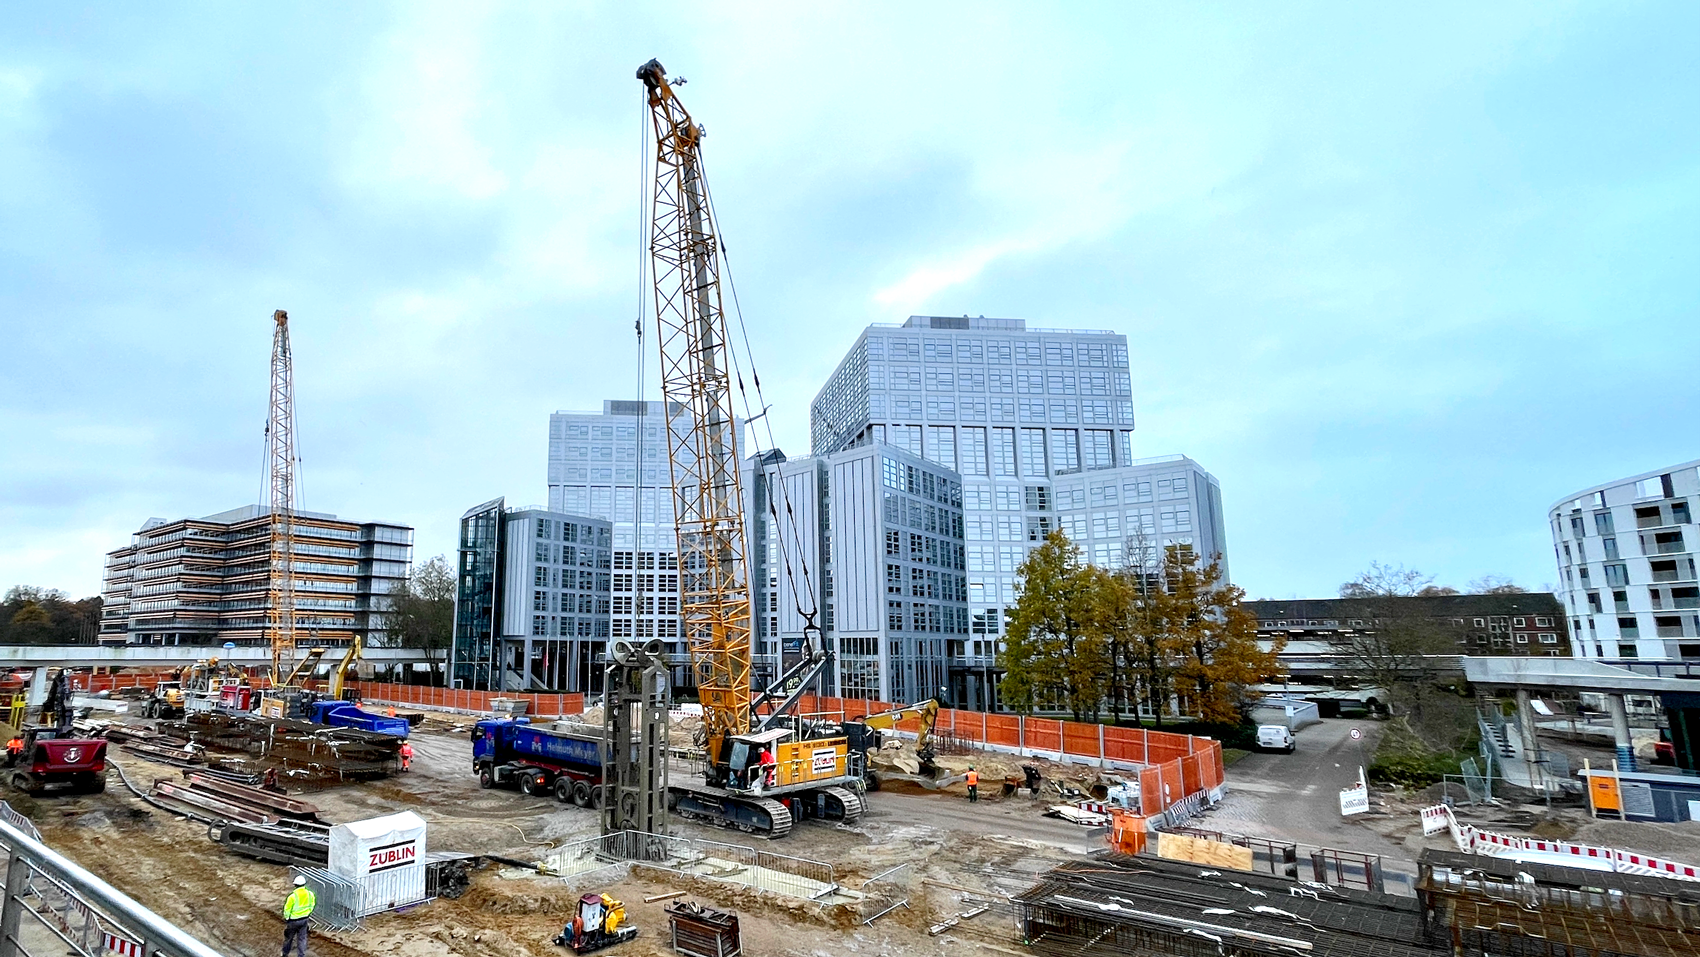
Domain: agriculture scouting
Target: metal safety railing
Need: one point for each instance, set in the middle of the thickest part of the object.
(339, 901)
(885, 892)
(49, 902)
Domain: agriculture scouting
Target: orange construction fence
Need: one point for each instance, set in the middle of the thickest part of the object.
(547, 705)
(1176, 766)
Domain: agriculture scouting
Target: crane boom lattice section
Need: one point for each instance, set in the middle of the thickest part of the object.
(696, 384)
(280, 458)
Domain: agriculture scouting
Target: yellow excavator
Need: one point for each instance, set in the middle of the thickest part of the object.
(865, 736)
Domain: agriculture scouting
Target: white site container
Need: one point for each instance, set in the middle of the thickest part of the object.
(385, 856)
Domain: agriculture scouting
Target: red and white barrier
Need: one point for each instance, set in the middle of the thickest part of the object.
(122, 946)
(1472, 840)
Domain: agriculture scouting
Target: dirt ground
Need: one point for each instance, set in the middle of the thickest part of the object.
(993, 848)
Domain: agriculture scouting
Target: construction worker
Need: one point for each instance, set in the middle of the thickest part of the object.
(14, 750)
(768, 766)
(297, 907)
(973, 785)
(406, 753)
(390, 711)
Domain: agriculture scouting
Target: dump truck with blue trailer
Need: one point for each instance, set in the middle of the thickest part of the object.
(345, 714)
(539, 760)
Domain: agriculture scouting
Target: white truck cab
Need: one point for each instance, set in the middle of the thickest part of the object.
(1275, 737)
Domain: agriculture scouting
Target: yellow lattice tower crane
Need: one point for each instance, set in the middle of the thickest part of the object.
(810, 773)
(280, 459)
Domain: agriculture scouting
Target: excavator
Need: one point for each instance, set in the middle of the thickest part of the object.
(764, 767)
(864, 735)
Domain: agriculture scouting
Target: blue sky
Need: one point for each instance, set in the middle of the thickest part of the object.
(1400, 278)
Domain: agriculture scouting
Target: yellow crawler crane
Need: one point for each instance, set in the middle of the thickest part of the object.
(806, 774)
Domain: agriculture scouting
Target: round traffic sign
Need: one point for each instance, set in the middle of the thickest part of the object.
(1356, 734)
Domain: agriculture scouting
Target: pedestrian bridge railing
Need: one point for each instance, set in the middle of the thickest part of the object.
(50, 903)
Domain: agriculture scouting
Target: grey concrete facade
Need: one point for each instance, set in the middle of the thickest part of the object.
(532, 602)
(1625, 552)
(880, 532)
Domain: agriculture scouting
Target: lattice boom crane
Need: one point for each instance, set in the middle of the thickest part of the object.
(809, 775)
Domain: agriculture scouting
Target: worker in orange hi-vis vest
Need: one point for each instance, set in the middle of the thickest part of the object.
(973, 785)
(406, 755)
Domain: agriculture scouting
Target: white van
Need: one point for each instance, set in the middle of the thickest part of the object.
(1275, 737)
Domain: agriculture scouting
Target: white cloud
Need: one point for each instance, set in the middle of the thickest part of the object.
(423, 101)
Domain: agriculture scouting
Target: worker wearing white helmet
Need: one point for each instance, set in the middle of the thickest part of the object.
(297, 908)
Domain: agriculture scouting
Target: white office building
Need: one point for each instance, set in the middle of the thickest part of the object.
(1038, 423)
(867, 543)
(1625, 553)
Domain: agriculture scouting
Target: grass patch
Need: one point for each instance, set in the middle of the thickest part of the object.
(1403, 759)
(1230, 755)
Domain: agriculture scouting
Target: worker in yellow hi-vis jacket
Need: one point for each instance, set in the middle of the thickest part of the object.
(297, 907)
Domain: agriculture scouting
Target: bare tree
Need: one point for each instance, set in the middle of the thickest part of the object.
(421, 613)
(1494, 585)
(1397, 645)
(1387, 581)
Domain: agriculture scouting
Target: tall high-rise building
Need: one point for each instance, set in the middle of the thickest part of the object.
(532, 600)
(612, 465)
(204, 581)
(1039, 425)
(867, 543)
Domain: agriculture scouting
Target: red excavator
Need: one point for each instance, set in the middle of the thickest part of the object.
(53, 759)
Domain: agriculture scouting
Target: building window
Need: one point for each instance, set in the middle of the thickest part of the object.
(1626, 650)
(1543, 622)
(1548, 638)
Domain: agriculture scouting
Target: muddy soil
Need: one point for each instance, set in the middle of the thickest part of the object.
(988, 850)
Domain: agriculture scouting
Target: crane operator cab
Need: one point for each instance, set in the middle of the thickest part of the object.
(752, 764)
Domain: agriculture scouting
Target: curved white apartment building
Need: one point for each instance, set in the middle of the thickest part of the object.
(1626, 566)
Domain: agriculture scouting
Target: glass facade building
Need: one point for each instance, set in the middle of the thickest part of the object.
(1023, 416)
(880, 532)
(533, 601)
(612, 465)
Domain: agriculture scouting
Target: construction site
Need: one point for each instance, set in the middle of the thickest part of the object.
(172, 810)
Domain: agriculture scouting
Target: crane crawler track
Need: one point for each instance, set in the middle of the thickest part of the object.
(764, 816)
(850, 808)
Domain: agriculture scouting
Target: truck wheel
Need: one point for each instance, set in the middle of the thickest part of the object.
(95, 784)
(533, 784)
(486, 779)
(564, 789)
(581, 793)
(596, 797)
